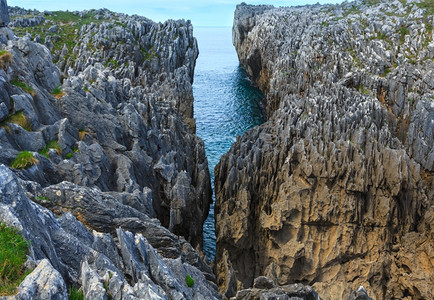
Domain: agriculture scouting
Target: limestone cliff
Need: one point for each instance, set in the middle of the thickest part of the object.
(335, 190)
(116, 189)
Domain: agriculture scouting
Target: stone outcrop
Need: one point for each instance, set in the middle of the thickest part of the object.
(335, 190)
(124, 120)
(122, 264)
(115, 200)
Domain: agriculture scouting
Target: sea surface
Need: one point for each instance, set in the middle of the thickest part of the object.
(225, 104)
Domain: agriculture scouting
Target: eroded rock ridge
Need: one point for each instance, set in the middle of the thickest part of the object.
(335, 190)
(116, 189)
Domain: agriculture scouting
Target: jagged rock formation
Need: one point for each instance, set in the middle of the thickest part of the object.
(123, 265)
(335, 190)
(124, 122)
(116, 164)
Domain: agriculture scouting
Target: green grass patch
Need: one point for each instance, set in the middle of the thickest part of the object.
(42, 198)
(403, 31)
(112, 62)
(17, 118)
(148, 55)
(57, 92)
(24, 160)
(428, 5)
(51, 145)
(69, 155)
(354, 10)
(26, 88)
(386, 71)
(75, 294)
(363, 90)
(13, 250)
(189, 280)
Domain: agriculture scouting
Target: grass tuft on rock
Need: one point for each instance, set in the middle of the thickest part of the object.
(51, 145)
(13, 250)
(57, 92)
(17, 118)
(26, 88)
(75, 294)
(24, 160)
(189, 280)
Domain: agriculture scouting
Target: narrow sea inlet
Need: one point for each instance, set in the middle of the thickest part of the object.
(225, 104)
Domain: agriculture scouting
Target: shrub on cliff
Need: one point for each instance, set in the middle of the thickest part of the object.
(17, 118)
(26, 88)
(13, 250)
(189, 280)
(24, 160)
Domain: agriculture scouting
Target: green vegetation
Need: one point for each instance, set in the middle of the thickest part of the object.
(75, 294)
(69, 155)
(57, 92)
(13, 250)
(403, 31)
(23, 86)
(363, 90)
(17, 118)
(51, 145)
(148, 55)
(42, 198)
(67, 23)
(189, 281)
(24, 160)
(106, 287)
(112, 62)
(354, 10)
(386, 71)
(371, 2)
(428, 5)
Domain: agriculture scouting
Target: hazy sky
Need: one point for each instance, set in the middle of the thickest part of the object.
(200, 12)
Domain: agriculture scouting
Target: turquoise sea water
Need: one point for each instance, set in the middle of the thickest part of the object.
(225, 104)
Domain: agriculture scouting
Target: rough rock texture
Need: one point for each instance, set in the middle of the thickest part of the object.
(123, 265)
(120, 189)
(264, 288)
(122, 117)
(335, 190)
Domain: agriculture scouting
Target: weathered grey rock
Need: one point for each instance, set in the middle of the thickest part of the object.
(131, 114)
(359, 294)
(44, 282)
(287, 292)
(4, 112)
(27, 22)
(127, 106)
(27, 140)
(330, 189)
(4, 13)
(92, 261)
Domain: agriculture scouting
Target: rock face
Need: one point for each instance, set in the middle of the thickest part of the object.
(122, 116)
(335, 190)
(4, 15)
(119, 188)
(121, 265)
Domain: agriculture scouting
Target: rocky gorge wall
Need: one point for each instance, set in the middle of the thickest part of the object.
(335, 190)
(117, 187)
